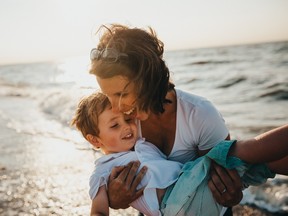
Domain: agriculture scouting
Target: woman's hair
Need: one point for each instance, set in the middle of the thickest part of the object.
(141, 62)
(88, 111)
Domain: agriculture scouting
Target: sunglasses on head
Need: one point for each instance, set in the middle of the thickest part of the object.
(108, 54)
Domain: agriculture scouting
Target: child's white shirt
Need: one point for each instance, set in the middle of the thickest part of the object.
(160, 174)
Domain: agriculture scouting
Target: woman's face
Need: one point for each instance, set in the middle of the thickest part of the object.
(119, 92)
(121, 95)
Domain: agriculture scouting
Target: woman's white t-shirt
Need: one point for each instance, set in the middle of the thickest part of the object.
(199, 125)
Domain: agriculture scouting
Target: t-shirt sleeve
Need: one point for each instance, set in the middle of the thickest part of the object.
(96, 181)
(210, 128)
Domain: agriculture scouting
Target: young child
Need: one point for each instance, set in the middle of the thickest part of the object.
(116, 134)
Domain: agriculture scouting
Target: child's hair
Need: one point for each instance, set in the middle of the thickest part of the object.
(141, 62)
(88, 111)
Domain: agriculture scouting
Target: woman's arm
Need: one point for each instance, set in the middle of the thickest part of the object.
(100, 204)
(279, 166)
(265, 148)
(122, 185)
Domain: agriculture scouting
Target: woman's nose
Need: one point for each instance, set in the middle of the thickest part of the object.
(127, 126)
(115, 107)
(115, 104)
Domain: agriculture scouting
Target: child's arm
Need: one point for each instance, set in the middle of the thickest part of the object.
(100, 204)
(265, 148)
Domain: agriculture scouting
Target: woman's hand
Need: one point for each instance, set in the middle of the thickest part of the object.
(225, 185)
(122, 185)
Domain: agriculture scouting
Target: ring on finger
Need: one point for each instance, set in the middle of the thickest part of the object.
(224, 190)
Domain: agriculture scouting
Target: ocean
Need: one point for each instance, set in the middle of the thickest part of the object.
(45, 164)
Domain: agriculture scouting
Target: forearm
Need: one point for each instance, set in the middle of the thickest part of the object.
(98, 214)
(267, 147)
(97, 210)
(279, 166)
(100, 204)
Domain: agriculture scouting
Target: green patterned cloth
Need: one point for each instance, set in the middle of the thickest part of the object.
(190, 195)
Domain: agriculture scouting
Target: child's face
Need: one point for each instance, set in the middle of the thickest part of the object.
(118, 132)
(121, 95)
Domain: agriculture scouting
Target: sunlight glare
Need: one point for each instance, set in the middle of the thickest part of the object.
(77, 70)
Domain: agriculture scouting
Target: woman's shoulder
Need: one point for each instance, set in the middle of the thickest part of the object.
(191, 106)
(190, 100)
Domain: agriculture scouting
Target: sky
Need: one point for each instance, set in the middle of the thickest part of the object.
(45, 30)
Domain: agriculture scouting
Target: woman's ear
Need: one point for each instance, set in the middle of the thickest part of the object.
(93, 140)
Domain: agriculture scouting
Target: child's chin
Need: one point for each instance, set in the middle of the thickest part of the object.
(132, 146)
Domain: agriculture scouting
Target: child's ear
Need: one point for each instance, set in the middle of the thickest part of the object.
(93, 140)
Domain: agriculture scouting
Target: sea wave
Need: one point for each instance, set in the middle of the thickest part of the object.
(272, 196)
(210, 62)
(233, 81)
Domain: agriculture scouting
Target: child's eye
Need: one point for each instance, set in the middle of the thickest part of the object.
(114, 126)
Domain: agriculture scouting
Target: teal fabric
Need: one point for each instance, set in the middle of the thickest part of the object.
(190, 195)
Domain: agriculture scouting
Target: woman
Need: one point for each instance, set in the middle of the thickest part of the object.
(130, 70)
(116, 134)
